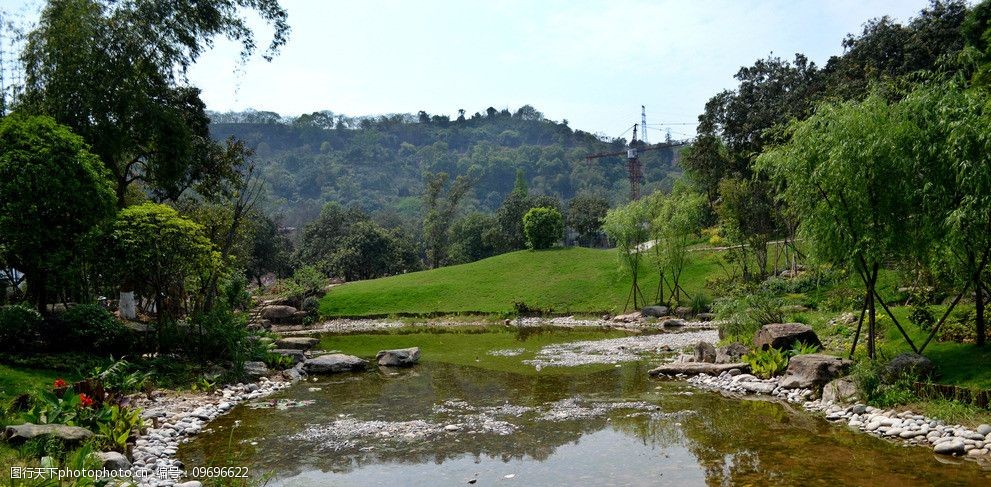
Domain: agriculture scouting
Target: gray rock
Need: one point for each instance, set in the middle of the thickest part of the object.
(761, 387)
(403, 357)
(955, 446)
(297, 343)
(278, 312)
(113, 461)
(655, 311)
(296, 355)
(840, 391)
(705, 352)
(909, 363)
(191, 483)
(20, 433)
(673, 323)
(705, 316)
(683, 311)
(255, 370)
(731, 353)
(784, 336)
(334, 363)
(984, 429)
(695, 368)
(813, 370)
(734, 372)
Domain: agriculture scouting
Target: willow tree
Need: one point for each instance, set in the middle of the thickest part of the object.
(848, 174)
(675, 219)
(955, 161)
(627, 227)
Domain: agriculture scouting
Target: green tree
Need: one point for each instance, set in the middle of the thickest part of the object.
(130, 102)
(585, 214)
(626, 226)
(849, 175)
(440, 207)
(270, 250)
(162, 256)
(675, 220)
(368, 251)
(474, 237)
(543, 228)
(53, 194)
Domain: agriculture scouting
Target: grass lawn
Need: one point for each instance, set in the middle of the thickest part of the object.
(470, 346)
(17, 381)
(562, 280)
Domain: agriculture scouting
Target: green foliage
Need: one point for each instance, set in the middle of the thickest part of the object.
(305, 282)
(278, 361)
(800, 348)
(19, 327)
(585, 215)
(122, 377)
(878, 389)
(766, 363)
(543, 227)
(161, 254)
(219, 335)
(741, 316)
(92, 326)
(701, 303)
(440, 206)
(674, 220)
(922, 317)
(120, 425)
(53, 193)
(510, 216)
(474, 237)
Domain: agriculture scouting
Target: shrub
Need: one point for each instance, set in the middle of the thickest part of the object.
(766, 363)
(800, 348)
(90, 325)
(310, 305)
(306, 281)
(543, 227)
(701, 303)
(869, 377)
(221, 335)
(19, 326)
(742, 316)
(921, 316)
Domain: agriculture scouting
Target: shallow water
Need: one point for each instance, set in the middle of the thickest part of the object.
(616, 427)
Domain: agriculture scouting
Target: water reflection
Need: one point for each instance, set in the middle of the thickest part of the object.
(691, 438)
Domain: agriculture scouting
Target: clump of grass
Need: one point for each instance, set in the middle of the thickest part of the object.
(954, 411)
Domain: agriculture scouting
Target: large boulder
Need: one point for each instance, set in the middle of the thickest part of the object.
(705, 352)
(20, 433)
(628, 318)
(297, 343)
(655, 311)
(840, 391)
(255, 370)
(683, 311)
(333, 363)
(278, 312)
(113, 461)
(403, 357)
(731, 353)
(784, 336)
(813, 370)
(911, 364)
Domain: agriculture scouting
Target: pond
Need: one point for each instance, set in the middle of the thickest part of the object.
(442, 423)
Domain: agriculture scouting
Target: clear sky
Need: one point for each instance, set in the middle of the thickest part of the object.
(590, 62)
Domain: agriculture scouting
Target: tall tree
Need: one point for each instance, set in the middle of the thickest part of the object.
(53, 193)
(585, 214)
(627, 227)
(440, 204)
(130, 102)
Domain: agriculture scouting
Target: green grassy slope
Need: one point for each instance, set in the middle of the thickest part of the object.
(563, 280)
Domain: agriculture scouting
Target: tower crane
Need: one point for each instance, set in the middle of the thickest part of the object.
(633, 165)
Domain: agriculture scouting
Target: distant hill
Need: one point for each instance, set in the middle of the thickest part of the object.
(378, 163)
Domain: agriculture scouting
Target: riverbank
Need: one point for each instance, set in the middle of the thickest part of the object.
(905, 427)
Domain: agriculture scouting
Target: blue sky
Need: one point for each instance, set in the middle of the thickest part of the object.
(591, 62)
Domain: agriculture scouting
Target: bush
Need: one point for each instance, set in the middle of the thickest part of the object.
(742, 316)
(766, 363)
(90, 326)
(306, 281)
(543, 227)
(310, 305)
(921, 316)
(701, 303)
(221, 335)
(869, 377)
(19, 326)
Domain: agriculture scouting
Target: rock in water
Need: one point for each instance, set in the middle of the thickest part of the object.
(403, 357)
(731, 353)
(955, 446)
(909, 363)
(695, 368)
(20, 433)
(784, 336)
(334, 363)
(813, 370)
(655, 311)
(840, 391)
(705, 352)
(298, 343)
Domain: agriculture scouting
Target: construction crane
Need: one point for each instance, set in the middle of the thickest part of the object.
(632, 153)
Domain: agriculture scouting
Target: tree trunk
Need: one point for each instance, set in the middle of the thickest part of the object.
(979, 308)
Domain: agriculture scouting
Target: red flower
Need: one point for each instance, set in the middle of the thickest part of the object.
(85, 400)
(59, 383)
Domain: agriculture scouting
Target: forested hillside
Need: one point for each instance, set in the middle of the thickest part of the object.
(379, 163)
